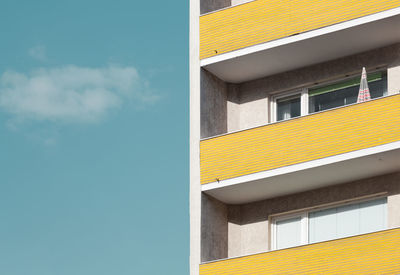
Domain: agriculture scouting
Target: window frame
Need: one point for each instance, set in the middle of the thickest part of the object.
(302, 94)
(304, 214)
(304, 227)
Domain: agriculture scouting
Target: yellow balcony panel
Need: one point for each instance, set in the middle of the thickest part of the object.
(261, 21)
(314, 137)
(374, 253)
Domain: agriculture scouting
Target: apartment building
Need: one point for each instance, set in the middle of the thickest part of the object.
(289, 173)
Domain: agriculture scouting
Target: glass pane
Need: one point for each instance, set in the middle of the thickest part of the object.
(348, 220)
(378, 88)
(288, 233)
(345, 96)
(333, 99)
(322, 225)
(373, 216)
(288, 108)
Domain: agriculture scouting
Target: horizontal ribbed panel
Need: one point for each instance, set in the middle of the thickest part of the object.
(375, 253)
(312, 137)
(261, 21)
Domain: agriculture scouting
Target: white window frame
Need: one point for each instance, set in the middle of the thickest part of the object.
(302, 93)
(304, 214)
(304, 227)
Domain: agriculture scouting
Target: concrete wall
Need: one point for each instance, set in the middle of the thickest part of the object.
(394, 74)
(233, 108)
(212, 5)
(214, 229)
(195, 191)
(253, 109)
(234, 229)
(249, 223)
(214, 93)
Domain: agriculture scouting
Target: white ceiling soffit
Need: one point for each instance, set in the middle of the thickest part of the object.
(307, 48)
(320, 174)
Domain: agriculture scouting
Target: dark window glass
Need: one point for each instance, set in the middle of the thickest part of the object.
(288, 107)
(345, 96)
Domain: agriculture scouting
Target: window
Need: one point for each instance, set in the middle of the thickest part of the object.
(290, 231)
(329, 223)
(325, 97)
(288, 107)
(345, 92)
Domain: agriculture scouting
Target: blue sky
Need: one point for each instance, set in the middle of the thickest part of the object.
(94, 137)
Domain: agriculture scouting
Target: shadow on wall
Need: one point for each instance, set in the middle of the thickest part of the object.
(212, 5)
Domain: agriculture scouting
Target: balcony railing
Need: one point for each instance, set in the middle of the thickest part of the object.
(374, 253)
(307, 138)
(261, 21)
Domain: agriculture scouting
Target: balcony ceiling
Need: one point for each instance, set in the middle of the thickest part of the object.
(365, 165)
(306, 49)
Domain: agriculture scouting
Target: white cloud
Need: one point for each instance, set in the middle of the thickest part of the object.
(71, 93)
(38, 53)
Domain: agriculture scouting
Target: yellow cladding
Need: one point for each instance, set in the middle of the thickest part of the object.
(261, 21)
(375, 253)
(301, 139)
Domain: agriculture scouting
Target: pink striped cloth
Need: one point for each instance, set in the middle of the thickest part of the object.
(363, 93)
